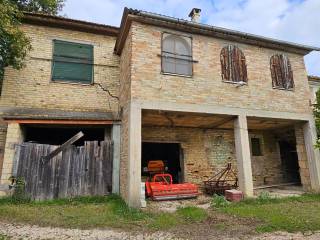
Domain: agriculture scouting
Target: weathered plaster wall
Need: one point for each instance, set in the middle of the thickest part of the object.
(206, 86)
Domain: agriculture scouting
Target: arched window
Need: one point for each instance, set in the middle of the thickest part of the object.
(233, 64)
(281, 72)
(176, 54)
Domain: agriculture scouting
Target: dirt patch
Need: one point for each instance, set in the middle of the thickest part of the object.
(203, 231)
(201, 201)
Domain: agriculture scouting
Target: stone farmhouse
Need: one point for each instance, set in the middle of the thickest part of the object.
(195, 95)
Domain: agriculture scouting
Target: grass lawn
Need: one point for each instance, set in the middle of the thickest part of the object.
(264, 214)
(290, 214)
(95, 212)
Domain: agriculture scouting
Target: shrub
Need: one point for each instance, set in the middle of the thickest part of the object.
(219, 201)
(19, 194)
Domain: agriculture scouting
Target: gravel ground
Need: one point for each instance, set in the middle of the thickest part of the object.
(16, 231)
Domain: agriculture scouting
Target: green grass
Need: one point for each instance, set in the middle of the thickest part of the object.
(287, 214)
(94, 212)
(3, 237)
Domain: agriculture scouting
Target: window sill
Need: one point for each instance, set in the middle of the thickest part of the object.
(177, 75)
(236, 83)
(71, 83)
(284, 89)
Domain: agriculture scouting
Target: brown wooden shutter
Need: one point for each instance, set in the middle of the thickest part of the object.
(233, 64)
(281, 72)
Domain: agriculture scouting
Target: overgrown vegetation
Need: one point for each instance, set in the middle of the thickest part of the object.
(280, 214)
(219, 201)
(316, 112)
(94, 212)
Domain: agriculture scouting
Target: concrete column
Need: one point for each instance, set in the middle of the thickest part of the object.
(134, 157)
(14, 136)
(313, 154)
(243, 155)
(115, 136)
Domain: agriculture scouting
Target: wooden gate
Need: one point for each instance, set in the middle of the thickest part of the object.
(76, 171)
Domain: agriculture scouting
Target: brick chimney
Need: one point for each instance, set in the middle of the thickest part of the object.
(195, 14)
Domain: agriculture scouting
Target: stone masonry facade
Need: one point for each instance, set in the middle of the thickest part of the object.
(134, 83)
(205, 86)
(32, 88)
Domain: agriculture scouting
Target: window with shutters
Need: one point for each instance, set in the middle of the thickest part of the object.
(72, 62)
(281, 72)
(233, 64)
(176, 55)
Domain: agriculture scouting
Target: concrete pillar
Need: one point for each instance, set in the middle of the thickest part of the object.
(134, 156)
(14, 136)
(115, 136)
(243, 155)
(313, 154)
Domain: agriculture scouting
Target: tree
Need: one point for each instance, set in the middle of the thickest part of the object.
(14, 44)
(316, 112)
(44, 6)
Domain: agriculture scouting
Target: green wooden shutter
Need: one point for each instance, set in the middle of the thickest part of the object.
(72, 62)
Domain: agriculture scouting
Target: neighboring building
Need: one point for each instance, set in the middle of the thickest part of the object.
(314, 83)
(194, 95)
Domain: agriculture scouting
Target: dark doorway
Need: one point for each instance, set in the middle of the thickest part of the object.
(57, 135)
(289, 161)
(169, 153)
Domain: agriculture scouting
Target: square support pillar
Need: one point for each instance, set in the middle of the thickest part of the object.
(14, 136)
(134, 156)
(243, 155)
(115, 136)
(313, 154)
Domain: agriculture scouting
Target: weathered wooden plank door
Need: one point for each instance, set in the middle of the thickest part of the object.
(76, 171)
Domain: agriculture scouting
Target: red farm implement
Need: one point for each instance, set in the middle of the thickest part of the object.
(160, 187)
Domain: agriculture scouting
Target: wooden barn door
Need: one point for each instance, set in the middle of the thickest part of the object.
(76, 171)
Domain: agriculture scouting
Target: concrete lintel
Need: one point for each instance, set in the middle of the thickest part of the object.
(115, 136)
(243, 155)
(212, 109)
(313, 154)
(134, 163)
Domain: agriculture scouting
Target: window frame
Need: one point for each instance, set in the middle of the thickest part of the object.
(261, 144)
(73, 82)
(270, 67)
(191, 51)
(245, 83)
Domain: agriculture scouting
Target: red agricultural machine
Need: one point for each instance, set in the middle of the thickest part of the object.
(159, 185)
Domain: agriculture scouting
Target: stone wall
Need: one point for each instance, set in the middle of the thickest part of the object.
(125, 77)
(206, 87)
(266, 169)
(3, 134)
(206, 152)
(15, 135)
(31, 87)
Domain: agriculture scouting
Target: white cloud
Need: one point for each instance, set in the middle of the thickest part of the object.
(291, 20)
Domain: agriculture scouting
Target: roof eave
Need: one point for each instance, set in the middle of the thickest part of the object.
(191, 27)
(66, 23)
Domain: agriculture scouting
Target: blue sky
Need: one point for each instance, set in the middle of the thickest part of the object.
(292, 20)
